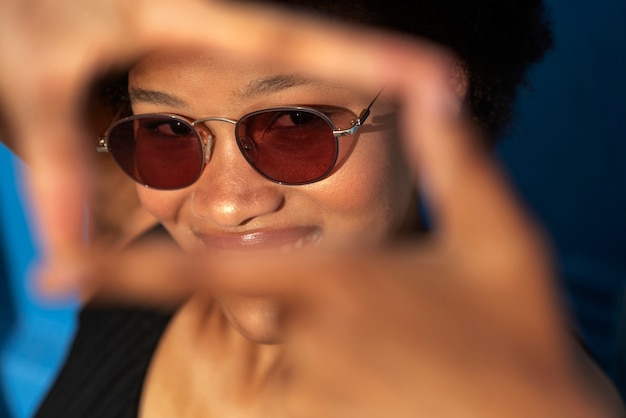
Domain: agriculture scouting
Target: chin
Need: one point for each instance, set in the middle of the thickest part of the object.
(255, 318)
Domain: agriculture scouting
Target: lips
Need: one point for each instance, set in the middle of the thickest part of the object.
(282, 240)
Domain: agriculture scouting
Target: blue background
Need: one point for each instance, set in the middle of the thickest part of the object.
(566, 154)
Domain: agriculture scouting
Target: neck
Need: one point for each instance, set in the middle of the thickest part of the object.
(204, 364)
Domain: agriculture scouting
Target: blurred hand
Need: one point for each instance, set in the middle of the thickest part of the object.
(463, 325)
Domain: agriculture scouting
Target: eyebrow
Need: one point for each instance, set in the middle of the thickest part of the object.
(255, 88)
(139, 95)
(274, 84)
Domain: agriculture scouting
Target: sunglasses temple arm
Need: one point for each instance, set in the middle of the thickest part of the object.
(361, 120)
(374, 100)
(366, 112)
(103, 144)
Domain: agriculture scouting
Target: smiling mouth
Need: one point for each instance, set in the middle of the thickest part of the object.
(277, 241)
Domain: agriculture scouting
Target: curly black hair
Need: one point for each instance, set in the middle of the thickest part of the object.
(498, 40)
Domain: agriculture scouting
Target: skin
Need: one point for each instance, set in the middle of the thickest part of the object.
(49, 53)
(213, 341)
(224, 344)
(368, 200)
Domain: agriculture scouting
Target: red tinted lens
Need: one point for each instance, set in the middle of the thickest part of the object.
(288, 146)
(157, 151)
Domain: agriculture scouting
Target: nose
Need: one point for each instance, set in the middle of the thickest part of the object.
(230, 192)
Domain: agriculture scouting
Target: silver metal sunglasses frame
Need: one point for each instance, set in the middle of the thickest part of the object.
(103, 143)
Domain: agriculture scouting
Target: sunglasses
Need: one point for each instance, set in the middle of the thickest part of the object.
(289, 145)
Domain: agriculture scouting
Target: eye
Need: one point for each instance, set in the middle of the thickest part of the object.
(301, 118)
(294, 118)
(170, 127)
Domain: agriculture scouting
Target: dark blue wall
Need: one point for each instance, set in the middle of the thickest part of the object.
(7, 311)
(567, 155)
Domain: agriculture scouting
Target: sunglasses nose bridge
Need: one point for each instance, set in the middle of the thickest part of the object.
(206, 138)
(206, 134)
(203, 121)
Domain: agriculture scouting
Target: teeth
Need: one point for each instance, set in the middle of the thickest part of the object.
(309, 239)
(313, 238)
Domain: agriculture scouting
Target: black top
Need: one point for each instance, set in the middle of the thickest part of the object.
(106, 366)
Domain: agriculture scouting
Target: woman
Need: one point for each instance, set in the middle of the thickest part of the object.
(216, 354)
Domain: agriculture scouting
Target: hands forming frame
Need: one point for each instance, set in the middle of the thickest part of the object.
(470, 317)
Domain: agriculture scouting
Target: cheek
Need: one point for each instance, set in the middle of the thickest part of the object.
(372, 195)
(163, 205)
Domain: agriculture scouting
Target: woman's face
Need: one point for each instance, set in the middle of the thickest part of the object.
(367, 201)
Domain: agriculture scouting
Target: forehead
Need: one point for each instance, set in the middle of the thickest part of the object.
(224, 75)
(193, 64)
